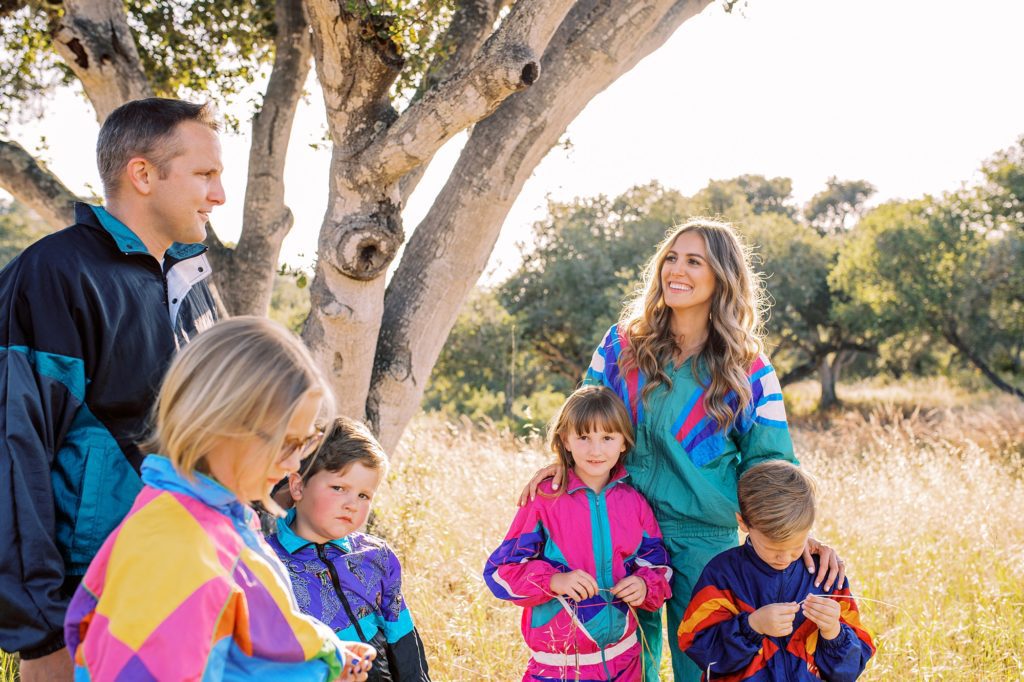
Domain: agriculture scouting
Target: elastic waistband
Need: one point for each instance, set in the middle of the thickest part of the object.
(694, 529)
(579, 660)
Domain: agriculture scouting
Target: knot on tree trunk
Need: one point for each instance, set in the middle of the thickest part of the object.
(366, 245)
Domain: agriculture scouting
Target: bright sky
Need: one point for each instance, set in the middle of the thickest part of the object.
(911, 95)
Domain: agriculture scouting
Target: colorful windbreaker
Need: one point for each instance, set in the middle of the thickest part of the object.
(610, 535)
(354, 585)
(715, 632)
(185, 589)
(684, 465)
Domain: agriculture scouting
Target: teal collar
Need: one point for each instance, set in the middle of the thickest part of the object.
(292, 543)
(158, 472)
(129, 242)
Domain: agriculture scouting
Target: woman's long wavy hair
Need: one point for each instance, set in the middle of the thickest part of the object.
(735, 333)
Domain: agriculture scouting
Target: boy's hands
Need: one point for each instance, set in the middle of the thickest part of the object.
(824, 613)
(556, 471)
(578, 585)
(631, 590)
(774, 620)
(358, 659)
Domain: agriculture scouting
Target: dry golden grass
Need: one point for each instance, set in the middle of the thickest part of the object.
(922, 491)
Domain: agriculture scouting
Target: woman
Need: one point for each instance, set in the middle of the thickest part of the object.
(687, 359)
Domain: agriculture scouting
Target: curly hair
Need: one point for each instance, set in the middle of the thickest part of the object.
(735, 333)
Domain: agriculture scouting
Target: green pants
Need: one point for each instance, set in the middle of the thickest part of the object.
(688, 554)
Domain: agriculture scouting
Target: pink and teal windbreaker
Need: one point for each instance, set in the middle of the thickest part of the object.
(185, 589)
(610, 535)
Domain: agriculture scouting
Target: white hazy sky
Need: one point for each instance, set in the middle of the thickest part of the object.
(911, 95)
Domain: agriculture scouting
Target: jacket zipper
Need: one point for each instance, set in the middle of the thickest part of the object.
(321, 552)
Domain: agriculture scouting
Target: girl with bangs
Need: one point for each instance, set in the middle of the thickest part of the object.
(585, 562)
(687, 359)
(185, 588)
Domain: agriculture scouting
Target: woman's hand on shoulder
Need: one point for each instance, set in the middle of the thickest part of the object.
(555, 471)
(831, 568)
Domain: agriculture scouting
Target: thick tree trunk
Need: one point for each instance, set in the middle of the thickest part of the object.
(597, 43)
(245, 274)
(827, 376)
(373, 149)
(95, 41)
(35, 186)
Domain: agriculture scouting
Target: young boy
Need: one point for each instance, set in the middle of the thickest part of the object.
(755, 612)
(349, 580)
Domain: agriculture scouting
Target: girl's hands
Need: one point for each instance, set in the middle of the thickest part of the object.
(774, 620)
(557, 471)
(831, 568)
(824, 613)
(357, 661)
(631, 590)
(578, 585)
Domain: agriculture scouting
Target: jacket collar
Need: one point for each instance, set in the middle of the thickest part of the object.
(573, 482)
(127, 241)
(158, 472)
(292, 543)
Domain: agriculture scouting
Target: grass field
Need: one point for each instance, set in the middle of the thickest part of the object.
(922, 487)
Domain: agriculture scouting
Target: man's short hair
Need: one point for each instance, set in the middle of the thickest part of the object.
(146, 128)
(777, 499)
(347, 442)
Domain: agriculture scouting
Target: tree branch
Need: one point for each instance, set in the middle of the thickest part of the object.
(94, 39)
(598, 42)
(508, 62)
(471, 24)
(247, 275)
(35, 186)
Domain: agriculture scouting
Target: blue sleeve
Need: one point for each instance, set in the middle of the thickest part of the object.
(844, 657)
(726, 646)
(42, 391)
(407, 659)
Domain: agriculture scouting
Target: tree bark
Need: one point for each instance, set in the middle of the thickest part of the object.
(245, 274)
(827, 376)
(35, 186)
(598, 42)
(95, 41)
(373, 149)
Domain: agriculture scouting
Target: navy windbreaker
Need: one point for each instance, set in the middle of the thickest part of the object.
(89, 323)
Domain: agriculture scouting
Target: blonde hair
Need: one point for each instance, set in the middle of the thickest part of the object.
(245, 376)
(587, 409)
(777, 499)
(735, 333)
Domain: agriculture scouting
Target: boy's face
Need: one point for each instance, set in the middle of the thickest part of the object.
(332, 504)
(778, 554)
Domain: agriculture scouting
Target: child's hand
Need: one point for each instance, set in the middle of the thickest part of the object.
(774, 620)
(631, 590)
(578, 585)
(357, 661)
(824, 613)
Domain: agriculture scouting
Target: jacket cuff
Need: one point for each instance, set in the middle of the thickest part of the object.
(55, 642)
(748, 633)
(842, 640)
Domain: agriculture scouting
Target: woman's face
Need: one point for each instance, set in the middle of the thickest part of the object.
(687, 281)
(239, 464)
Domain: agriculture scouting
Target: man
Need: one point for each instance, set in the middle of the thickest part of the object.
(89, 319)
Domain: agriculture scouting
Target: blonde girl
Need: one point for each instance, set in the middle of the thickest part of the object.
(185, 588)
(687, 358)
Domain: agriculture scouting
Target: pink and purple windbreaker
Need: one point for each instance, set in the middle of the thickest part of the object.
(610, 535)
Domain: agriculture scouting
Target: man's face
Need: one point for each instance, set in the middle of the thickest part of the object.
(189, 185)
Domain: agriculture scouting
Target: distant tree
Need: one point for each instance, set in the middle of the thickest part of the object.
(925, 264)
(839, 206)
(744, 195)
(19, 227)
(582, 263)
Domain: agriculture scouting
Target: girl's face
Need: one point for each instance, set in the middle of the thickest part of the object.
(687, 281)
(239, 464)
(595, 454)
